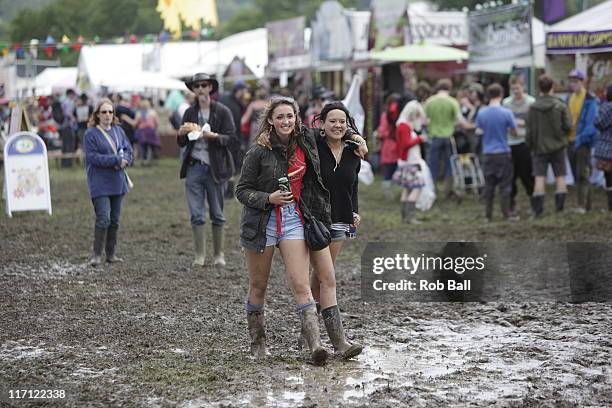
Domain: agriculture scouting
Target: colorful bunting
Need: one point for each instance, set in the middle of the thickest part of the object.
(65, 45)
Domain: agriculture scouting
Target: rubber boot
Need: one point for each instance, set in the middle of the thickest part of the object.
(584, 197)
(387, 192)
(218, 234)
(488, 208)
(99, 240)
(199, 244)
(410, 212)
(111, 244)
(301, 339)
(559, 201)
(310, 331)
(506, 205)
(257, 331)
(609, 193)
(537, 205)
(333, 324)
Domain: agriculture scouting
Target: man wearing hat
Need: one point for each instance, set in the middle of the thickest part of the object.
(206, 133)
(583, 110)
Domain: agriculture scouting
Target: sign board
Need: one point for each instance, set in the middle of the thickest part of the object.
(388, 23)
(500, 33)
(359, 22)
(437, 27)
(26, 174)
(579, 41)
(331, 34)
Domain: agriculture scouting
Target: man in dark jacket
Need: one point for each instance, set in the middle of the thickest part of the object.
(206, 132)
(547, 125)
(234, 101)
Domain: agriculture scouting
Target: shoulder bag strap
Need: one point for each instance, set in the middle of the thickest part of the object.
(114, 148)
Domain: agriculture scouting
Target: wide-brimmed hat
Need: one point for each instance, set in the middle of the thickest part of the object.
(202, 77)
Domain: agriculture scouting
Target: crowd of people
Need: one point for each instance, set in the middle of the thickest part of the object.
(514, 138)
(297, 167)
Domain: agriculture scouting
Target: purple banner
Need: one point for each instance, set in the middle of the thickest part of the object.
(554, 10)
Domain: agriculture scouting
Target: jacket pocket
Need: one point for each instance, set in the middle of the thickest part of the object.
(250, 222)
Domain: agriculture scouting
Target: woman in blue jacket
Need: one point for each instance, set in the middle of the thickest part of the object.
(107, 154)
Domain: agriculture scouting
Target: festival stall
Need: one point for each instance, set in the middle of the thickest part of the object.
(582, 41)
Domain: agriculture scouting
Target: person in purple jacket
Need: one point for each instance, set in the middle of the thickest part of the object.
(107, 153)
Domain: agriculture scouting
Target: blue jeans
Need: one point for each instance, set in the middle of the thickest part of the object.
(108, 210)
(200, 186)
(440, 151)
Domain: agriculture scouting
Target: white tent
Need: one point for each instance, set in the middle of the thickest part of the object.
(597, 19)
(55, 80)
(51, 80)
(155, 65)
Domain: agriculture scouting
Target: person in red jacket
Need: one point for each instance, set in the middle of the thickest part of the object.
(386, 133)
(409, 174)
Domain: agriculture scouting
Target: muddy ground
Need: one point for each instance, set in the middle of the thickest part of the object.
(157, 332)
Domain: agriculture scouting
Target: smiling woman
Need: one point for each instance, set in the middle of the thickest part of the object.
(272, 218)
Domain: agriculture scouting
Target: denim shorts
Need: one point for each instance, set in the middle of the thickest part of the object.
(338, 232)
(291, 225)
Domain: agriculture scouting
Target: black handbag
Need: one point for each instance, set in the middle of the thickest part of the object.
(316, 234)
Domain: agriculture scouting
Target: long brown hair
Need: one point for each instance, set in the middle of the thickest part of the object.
(94, 120)
(265, 127)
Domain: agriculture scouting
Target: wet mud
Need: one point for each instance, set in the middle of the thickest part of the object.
(157, 332)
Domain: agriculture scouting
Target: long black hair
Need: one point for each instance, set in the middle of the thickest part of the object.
(330, 106)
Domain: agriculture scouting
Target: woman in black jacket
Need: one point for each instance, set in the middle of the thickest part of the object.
(337, 141)
(271, 217)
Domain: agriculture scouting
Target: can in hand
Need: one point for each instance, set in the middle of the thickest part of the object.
(283, 185)
(351, 232)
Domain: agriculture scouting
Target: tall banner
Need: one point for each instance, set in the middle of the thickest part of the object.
(500, 33)
(286, 48)
(331, 34)
(359, 22)
(26, 174)
(388, 22)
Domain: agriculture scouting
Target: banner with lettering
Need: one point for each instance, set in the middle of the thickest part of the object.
(499, 33)
(437, 27)
(579, 41)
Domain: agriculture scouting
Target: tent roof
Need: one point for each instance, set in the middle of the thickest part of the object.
(55, 79)
(110, 65)
(596, 18)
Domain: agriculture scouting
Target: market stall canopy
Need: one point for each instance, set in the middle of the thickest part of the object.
(140, 80)
(54, 80)
(423, 52)
(587, 32)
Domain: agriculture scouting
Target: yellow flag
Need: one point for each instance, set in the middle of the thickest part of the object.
(191, 12)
